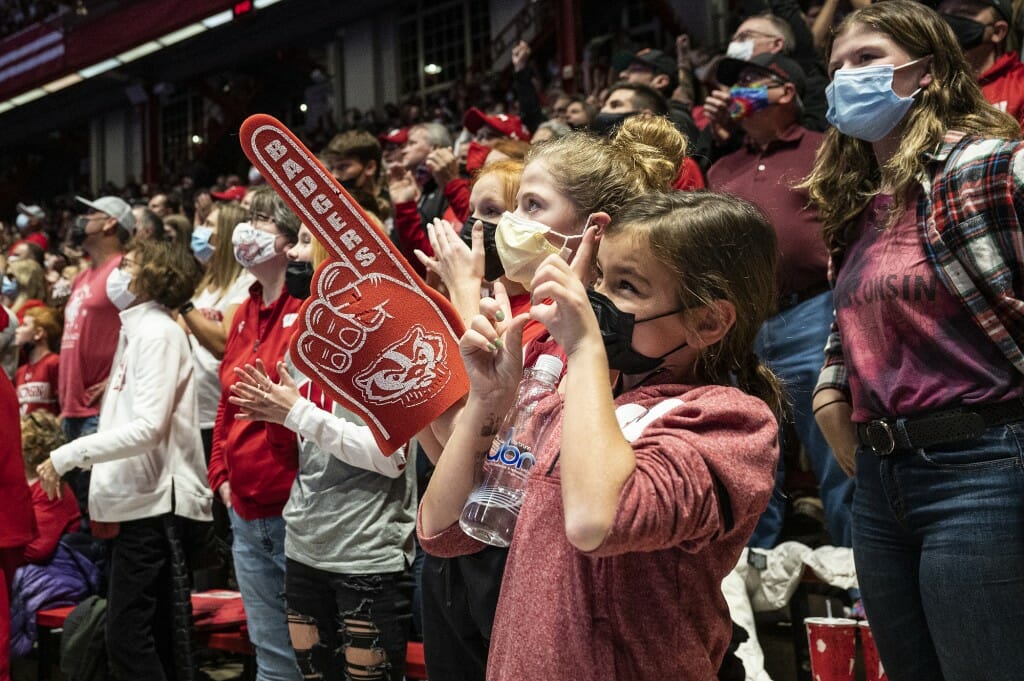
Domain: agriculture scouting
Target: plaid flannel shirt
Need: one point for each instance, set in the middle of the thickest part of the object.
(970, 210)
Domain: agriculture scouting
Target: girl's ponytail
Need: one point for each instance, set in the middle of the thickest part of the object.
(755, 378)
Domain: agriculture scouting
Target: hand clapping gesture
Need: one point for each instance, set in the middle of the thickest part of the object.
(259, 398)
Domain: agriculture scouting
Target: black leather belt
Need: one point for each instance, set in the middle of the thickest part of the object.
(889, 435)
(791, 300)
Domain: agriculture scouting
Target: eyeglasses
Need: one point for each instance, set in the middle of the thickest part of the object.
(758, 79)
(751, 35)
(127, 262)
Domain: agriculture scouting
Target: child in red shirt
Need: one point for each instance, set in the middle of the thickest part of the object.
(40, 434)
(36, 380)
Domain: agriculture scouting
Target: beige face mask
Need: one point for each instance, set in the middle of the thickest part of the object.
(523, 245)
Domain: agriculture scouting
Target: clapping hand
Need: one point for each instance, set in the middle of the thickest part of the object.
(259, 398)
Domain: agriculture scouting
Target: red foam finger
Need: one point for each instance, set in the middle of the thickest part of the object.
(373, 335)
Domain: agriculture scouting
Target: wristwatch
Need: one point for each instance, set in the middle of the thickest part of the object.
(186, 308)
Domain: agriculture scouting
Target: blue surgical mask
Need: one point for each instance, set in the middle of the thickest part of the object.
(862, 103)
(10, 287)
(201, 246)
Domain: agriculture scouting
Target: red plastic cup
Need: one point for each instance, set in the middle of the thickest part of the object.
(833, 647)
(872, 664)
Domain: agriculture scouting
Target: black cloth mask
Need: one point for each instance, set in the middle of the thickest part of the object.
(604, 124)
(297, 278)
(493, 269)
(617, 334)
(969, 33)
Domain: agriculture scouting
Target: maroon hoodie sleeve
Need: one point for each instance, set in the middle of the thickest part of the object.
(711, 458)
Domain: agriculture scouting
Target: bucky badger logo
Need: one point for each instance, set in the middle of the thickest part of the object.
(408, 372)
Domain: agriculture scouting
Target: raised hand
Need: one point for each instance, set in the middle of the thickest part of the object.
(560, 303)
(402, 185)
(372, 335)
(443, 165)
(491, 347)
(520, 55)
(259, 397)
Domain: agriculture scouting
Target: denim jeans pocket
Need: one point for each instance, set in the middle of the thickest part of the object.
(998, 447)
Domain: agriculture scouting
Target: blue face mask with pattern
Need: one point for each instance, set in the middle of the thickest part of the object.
(744, 101)
(862, 103)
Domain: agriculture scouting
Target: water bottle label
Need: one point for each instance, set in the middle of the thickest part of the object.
(513, 454)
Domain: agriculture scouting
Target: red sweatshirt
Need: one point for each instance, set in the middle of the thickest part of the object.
(1003, 85)
(54, 518)
(260, 481)
(647, 604)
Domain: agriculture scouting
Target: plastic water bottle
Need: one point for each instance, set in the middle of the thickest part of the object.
(492, 509)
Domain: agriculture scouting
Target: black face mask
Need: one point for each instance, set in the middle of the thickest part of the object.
(78, 232)
(969, 33)
(604, 124)
(297, 278)
(617, 333)
(493, 269)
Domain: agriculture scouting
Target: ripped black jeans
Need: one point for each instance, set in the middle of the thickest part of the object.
(347, 627)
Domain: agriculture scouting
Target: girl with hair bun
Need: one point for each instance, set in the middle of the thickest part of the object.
(920, 188)
(647, 487)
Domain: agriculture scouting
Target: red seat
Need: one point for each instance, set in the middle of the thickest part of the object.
(54, 617)
(415, 666)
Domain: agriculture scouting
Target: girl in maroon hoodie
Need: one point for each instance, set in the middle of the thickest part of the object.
(646, 488)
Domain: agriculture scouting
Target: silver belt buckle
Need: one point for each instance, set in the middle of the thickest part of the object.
(880, 437)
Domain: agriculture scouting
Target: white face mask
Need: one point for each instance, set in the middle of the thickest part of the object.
(522, 245)
(117, 289)
(21, 221)
(740, 49)
(252, 246)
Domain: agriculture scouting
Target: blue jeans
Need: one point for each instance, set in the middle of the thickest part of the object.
(792, 343)
(938, 539)
(258, 550)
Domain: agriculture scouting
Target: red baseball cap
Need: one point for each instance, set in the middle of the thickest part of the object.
(236, 193)
(394, 136)
(509, 126)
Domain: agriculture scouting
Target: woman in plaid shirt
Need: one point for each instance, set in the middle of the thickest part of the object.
(920, 188)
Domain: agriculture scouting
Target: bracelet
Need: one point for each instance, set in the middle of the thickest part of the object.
(828, 404)
(186, 308)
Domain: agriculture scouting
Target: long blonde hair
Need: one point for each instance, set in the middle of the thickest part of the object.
(846, 175)
(224, 268)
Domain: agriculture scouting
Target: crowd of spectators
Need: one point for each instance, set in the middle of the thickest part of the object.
(157, 319)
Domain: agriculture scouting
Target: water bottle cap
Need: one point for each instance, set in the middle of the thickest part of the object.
(549, 364)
